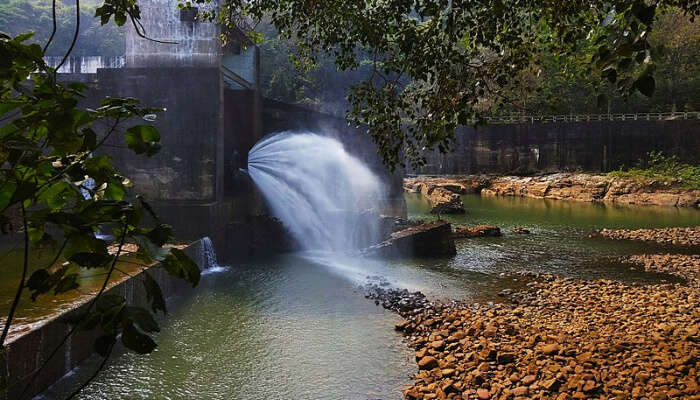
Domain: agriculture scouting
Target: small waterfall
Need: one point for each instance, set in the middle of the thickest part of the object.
(322, 194)
(206, 256)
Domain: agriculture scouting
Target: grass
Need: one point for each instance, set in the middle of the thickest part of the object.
(659, 166)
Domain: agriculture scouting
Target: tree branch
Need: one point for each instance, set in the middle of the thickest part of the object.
(20, 288)
(75, 35)
(53, 30)
(75, 327)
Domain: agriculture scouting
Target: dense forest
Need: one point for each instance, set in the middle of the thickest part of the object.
(550, 86)
(18, 16)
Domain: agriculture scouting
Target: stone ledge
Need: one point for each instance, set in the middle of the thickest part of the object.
(24, 354)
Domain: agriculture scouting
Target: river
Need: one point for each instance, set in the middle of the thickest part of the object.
(298, 327)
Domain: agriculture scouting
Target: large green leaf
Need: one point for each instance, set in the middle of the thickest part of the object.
(137, 341)
(154, 294)
(141, 318)
(179, 264)
(143, 139)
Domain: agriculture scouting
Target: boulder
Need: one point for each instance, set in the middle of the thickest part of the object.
(426, 240)
(427, 363)
(442, 201)
(476, 231)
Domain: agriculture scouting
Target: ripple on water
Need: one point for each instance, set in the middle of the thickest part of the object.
(295, 327)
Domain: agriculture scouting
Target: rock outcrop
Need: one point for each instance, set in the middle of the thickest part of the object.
(426, 240)
(476, 231)
(442, 201)
(567, 186)
(443, 193)
(457, 185)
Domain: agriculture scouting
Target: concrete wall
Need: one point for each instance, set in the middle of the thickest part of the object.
(549, 147)
(184, 42)
(185, 180)
(25, 354)
(186, 166)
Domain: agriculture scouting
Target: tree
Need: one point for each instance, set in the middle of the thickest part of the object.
(437, 64)
(20, 16)
(57, 191)
(679, 74)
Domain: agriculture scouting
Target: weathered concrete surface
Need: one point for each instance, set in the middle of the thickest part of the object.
(566, 186)
(521, 149)
(26, 353)
(426, 240)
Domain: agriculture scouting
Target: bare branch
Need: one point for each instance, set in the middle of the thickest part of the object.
(75, 34)
(20, 288)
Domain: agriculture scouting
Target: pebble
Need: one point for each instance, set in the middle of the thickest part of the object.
(668, 236)
(560, 339)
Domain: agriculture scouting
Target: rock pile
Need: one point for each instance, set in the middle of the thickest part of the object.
(675, 236)
(564, 339)
(476, 231)
(685, 266)
(398, 300)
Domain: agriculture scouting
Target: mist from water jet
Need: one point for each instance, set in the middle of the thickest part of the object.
(321, 193)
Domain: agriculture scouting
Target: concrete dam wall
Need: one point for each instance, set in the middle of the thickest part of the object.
(564, 146)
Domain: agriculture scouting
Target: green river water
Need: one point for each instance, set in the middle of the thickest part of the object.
(297, 326)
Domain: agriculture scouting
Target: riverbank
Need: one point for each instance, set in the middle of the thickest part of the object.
(689, 236)
(565, 186)
(560, 339)
(682, 265)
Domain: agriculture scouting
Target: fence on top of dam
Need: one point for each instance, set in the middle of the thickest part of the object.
(649, 116)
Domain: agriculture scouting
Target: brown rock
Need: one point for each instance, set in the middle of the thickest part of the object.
(400, 326)
(427, 363)
(476, 231)
(483, 394)
(528, 380)
(551, 349)
(505, 358)
(437, 345)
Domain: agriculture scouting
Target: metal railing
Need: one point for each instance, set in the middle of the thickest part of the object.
(520, 119)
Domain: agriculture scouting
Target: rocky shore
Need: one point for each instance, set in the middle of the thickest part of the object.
(682, 265)
(561, 339)
(565, 186)
(667, 236)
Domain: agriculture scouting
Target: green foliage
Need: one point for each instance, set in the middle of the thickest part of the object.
(658, 166)
(19, 16)
(436, 65)
(567, 85)
(49, 158)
